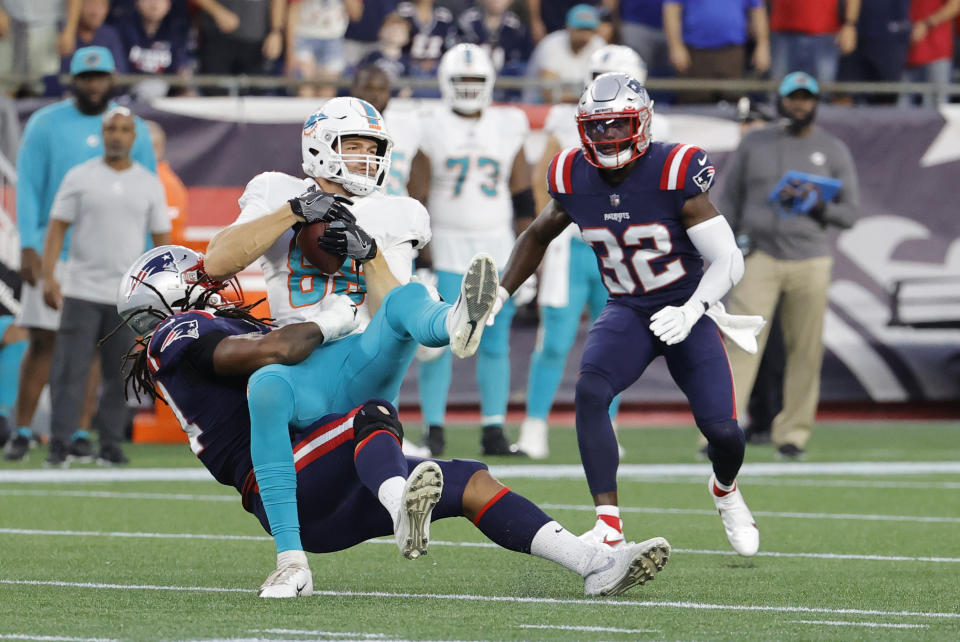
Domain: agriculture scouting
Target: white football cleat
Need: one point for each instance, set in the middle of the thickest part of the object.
(291, 579)
(604, 533)
(533, 438)
(468, 316)
(615, 570)
(411, 449)
(741, 529)
(420, 494)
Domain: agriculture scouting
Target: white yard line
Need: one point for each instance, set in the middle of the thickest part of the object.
(525, 471)
(873, 625)
(51, 638)
(390, 542)
(593, 603)
(591, 629)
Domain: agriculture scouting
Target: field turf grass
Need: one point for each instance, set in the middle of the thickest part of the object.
(846, 553)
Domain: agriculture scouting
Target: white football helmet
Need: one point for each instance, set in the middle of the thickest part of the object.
(466, 76)
(613, 117)
(164, 281)
(323, 131)
(616, 58)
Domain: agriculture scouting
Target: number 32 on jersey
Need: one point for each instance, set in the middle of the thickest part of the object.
(645, 244)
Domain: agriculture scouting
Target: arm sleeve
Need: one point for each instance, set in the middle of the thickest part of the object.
(843, 210)
(159, 220)
(142, 151)
(66, 203)
(714, 240)
(31, 181)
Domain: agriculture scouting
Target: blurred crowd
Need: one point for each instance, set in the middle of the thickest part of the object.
(317, 41)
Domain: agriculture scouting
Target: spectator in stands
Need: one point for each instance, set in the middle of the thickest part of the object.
(315, 31)
(362, 35)
(930, 57)
(240, 36)
(432, 32)
(389, 54)
(791, 259)
(565, 55)
(30, 43)
(707, 39)
(56, 138)
(173, 188)
(111, 201)
(547, 16)
(155, 42)
(93, 32)
(641, 29)
(811, 35)
(883, 38)
(501, 32)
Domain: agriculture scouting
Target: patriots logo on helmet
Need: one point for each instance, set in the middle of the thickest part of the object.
(162, 263)
(704, 178)
(186, 329)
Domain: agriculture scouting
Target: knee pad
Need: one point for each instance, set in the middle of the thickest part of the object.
(375, 415)
(593, 388)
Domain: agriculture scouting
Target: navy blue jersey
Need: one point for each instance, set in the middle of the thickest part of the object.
(211, 408)
(509, 46)
(165, 52)
(642, 248)
(428, 41)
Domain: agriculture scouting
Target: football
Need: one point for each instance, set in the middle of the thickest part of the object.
(307, 242)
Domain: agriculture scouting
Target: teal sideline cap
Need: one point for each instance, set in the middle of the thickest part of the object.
(583, 16)
(799, 80)
(88, 59)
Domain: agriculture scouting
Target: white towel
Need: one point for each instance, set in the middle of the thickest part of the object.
(742, 329)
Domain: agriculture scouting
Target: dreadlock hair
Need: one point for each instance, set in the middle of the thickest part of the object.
(138, 376)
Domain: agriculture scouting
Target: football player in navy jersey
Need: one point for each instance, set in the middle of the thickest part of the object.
(643, 208)
(198, 351)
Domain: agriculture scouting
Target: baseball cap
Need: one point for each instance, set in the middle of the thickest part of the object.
(799, 80)
(583, 16)
(87, 59)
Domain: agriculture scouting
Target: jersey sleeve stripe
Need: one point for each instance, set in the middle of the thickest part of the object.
(684, 164)
(568, 169)
(561, 172)
(665, 173)
(551, 175)
(673, 166)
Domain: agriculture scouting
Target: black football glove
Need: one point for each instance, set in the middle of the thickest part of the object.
(315, 205)
(348, 239)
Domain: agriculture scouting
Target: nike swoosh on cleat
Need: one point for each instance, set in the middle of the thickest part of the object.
(607, 566)
(559, 530)
(300, 588)
(473, 328)
(611, 542)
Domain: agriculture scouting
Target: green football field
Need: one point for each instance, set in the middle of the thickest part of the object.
(861, 542)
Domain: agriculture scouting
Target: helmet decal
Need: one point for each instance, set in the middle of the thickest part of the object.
(160, 263)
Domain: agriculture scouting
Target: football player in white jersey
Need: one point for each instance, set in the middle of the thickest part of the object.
(569, 278)
(478, 192)
(346, 152)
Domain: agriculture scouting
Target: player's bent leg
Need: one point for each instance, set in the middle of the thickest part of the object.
(270, 398)
(478, 293)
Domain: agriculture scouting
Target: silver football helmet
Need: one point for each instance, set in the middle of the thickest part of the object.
(164, 281)
(613, 117)
(616, 58)
(321, 145)
(466, 76)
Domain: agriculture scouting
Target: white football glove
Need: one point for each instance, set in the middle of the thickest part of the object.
(337, 317)
(502, 296)
(527, 291)
(672, 324)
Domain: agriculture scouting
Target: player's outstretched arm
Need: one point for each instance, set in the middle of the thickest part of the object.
(531, 245)
(237, 246)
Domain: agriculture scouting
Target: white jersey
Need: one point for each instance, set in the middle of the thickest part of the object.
(471, 160)
(294, 287)
(554, 290)
(403, 125)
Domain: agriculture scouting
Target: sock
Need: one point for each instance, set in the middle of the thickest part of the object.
(511, 521)
(292, 558)
(555, 543)
(379, 458)
(271, 402)
(80, 434)
(723, 489)
(390, 495)
(24, 431)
